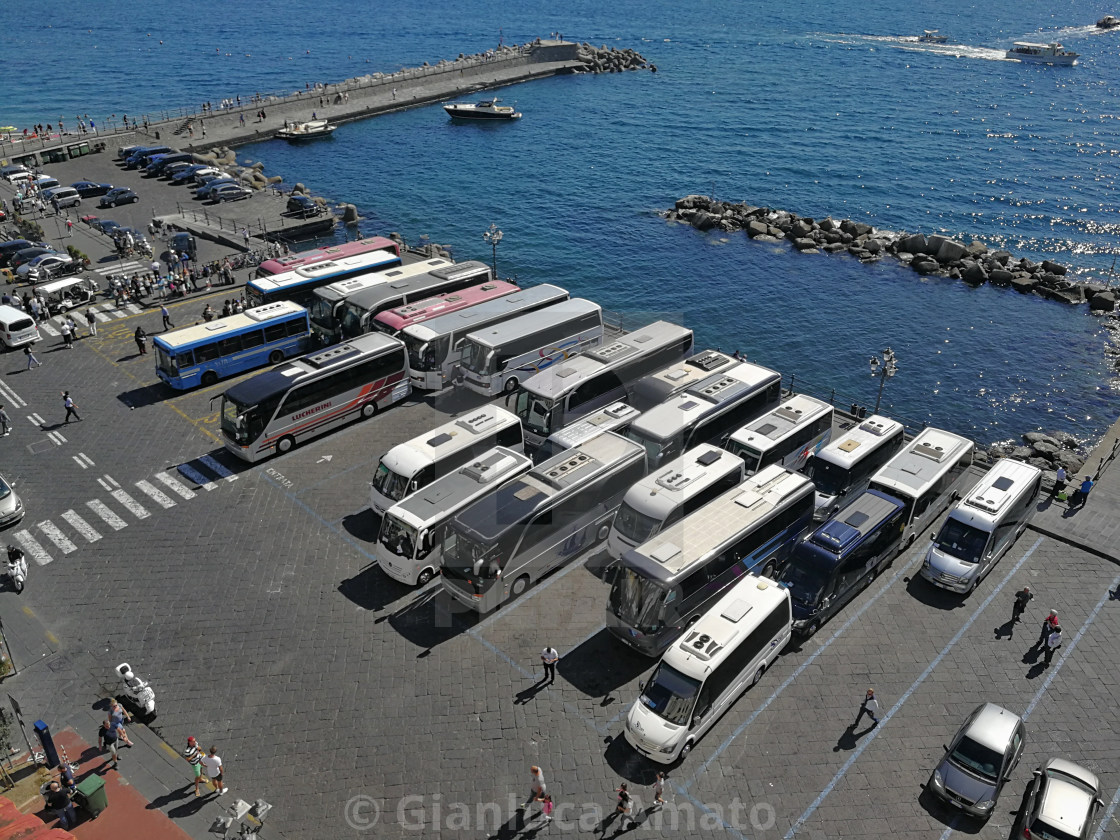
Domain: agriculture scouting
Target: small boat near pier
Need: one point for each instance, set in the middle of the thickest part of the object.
(487, 109)
(310, 130)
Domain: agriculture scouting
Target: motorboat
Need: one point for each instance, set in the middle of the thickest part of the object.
(487, 109)
(310, 130)
(932, 36)
(1051, 53)
(1108, 22)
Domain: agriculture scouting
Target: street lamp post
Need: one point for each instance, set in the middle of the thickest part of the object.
(493, 236)
(884, 368)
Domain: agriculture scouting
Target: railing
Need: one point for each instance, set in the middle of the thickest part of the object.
(850, 405)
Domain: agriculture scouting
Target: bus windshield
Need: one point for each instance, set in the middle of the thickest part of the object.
(535, 413)
(749, 454)
(638, 601)
(322, 312)
(351, 320)
(478, 358)
(463, 557)
(635, 527)
(671, 695)
(805, 579)
(389, 484)
(241, 423)
(829, 478)
(166, 362)
(962, 541)
(426, 355)
(398, 537)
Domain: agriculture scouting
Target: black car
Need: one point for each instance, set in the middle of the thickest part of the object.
(118, 196)
(106, 226)
(302, 207)
(28, 254)
(13, 246)
(90, 189)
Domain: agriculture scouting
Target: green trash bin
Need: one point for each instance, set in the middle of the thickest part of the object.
(91, 795)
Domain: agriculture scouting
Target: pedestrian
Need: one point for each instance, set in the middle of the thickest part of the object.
(659, 789)
(1048, 624)
(537, 787)
(5, 421)
(549, 657)
(67, 338)
(140, 337)
(624, 805)
(1053, 642)
(70, 406)
(31, 360)
(1022, 598)
(546, 808)
(1060, 479)
(245, 236)
(166, 318)
(69, 228)
(1082, 494)
(208, 314)
(193, 755)
(107, 740)
(868, 707)
(118, 716)
(58, 800)
(215, 771)
(92, 321)
(73, 327)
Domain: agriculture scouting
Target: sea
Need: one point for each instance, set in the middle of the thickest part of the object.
(820, 109)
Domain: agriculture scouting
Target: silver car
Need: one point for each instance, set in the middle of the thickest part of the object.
(1062, 802)
(979, 760)
(11, 508)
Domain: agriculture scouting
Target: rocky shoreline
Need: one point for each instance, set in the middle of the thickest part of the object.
(606, 59)
(972, 263)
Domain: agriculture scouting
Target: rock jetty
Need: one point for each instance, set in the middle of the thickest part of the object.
(971, 263)
(1045, 451)
(606, 59)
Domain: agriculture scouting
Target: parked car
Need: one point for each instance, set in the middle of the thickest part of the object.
(14, 169)
(91, 189)
(13, 246)
(118, 196)
(177, 166)
(229, 192)
(27, 255)
(46, 182)
(18, 176)
(183, 243)
(46, 266)
(11, 506)
(1062, 802)
(187, 174)
(204, 191)
(205, 176)
(106, 226)
(303, 207)
(158, 163)
(979, 760)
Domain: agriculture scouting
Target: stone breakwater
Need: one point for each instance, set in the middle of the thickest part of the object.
(1045, 451)
(971, 263)
(606, 59)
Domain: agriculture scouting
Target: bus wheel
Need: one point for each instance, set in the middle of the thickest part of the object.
(511, 385)
(519, 586)
(424, 577)
(812, 629)
(686, 749)
(768, 569)
(603, 533)
(276, 357)
(285, 444)
(209, 378)
(368, 410)
(758, 675)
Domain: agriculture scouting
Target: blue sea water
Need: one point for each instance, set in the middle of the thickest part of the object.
(819, 109)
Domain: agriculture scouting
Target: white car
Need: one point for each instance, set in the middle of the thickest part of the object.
(44, 266)
(229, 192)
(11, 507)
(209, 174)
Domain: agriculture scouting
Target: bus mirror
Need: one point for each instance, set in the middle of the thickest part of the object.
(932, 535)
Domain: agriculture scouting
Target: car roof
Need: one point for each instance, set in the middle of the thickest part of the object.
(993, 726)
(1067, 799)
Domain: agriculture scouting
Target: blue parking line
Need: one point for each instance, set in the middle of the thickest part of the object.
(906, 696)
(1106, 820)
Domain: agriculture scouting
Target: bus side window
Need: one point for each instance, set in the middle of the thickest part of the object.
(229, 346)
(274, 332)
(512, 437)
(184, 358)
(254, 338)
(297, 326)
(602, 384)
(206, 353)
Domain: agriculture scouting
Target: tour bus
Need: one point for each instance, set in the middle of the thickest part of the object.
(983, 526)
(326, 305)
(507, 540)
(708, 412)
(925, 475)
(788, 435)
(616, 417)
(299, 284)
(701, 677)
(842, 556)
(665, 384)
(408, 548)
(393, 321)
(203, 354)
(296, 402)
(17, 328)
(671, 493)
(843, 468)
(356, 314)
(669, 581)
(436, 346)
(332, 252)
(497, 358)
(416, 463)
(565, 392)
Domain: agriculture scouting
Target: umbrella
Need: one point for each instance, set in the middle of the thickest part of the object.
(8, 128)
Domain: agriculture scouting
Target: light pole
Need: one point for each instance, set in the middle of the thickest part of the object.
(884, 368)
(493, 236)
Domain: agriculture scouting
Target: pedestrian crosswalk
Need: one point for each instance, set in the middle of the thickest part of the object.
(119, 508)
(127, 267)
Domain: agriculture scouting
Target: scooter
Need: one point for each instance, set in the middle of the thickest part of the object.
(17, 568)
(138, 692)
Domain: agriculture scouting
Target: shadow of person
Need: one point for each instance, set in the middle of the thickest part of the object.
(1032, 654)
(524, 696)
(1006, 629)
(847, 740)
(1036, 669)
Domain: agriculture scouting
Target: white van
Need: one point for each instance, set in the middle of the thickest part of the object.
(983, 526)
(63, 196)
(705, 671)
(17, 328)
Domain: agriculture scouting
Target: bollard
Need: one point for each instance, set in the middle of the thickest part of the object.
(43, 732)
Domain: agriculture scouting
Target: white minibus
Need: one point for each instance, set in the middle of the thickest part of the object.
(983, 526)
(416, 463)
(843, 468)
(788, 435)
(671, 493)
(408, 548)
(658, 387)
(702, 675)
(17, 328)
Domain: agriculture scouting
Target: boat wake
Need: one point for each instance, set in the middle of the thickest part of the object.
(910, 43)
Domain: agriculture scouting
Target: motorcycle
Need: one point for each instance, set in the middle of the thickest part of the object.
(136, 691)
(17, 568)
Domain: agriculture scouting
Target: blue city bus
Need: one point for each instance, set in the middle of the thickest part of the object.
(207, 352)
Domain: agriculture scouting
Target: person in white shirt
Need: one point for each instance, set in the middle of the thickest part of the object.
(549, 657)
(214, 771)
(869, 706)
(1053, 642)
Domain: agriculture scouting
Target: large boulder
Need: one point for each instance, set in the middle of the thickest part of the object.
(692, 201)
(703, 220)
(977, 248)
(1046, 450)
(873, 246)
(1054, 268)
(757, 228)
(1020, 453)
(1070, 460)
(1002, 257)
(1072, 296)
(805, 245)
(1103, 302)
(951, 251)
(1000, 277)
(855, 228)
(1039, 437)
(1024, 285)
(934, 243)
(915, 243)
(925, 265)
(827, 224)
(974, 275)
(800, 229)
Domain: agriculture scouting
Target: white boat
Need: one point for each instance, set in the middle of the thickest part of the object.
(487, 109)
(310, 130)
(932, 36)
(1042, 53)
(1108, 22)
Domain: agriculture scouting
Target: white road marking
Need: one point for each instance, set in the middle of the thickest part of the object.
(48, 329)
(57, 438)
(36, 419)
(161, 498)
(112, 481)
(56, 536)
(101, 316)
(120, 313)
(104, 511)
(133, 308)
(88, 461)
(12, 396)
(78, 461)
(133, 506)
(81, 526)
(104, 484)
(197, 477)
(215, 466)
(176, 485)
(32, 547)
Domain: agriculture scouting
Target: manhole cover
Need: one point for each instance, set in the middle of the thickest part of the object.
(41, 446)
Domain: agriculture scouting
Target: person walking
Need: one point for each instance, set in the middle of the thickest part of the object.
(72, 324)
(166, 318)
(1053, 642)
(5, 422)
(215, 771)
(70, 406)
(208, 314)
(659, 790)
(625, 805)
(140, 337)
(1082, 494)
(31, 360)
(1048, 625)
(868, 707)
(537, 787)
(193, 755)
(107, 740)
(69, 227)
(549, 658)
(546, 808)
(67, 337)
(1060, 479)
(58, 800)
(1022, 598)
(91, 321)
(118, 716)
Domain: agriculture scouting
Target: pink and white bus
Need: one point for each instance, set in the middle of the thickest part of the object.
(331, 252)
(393, 321)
